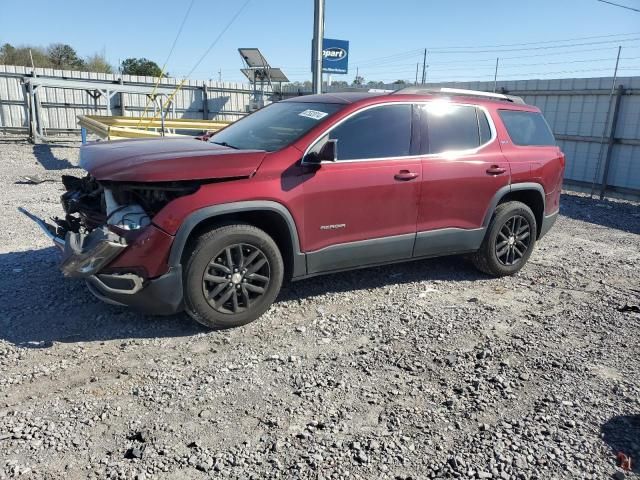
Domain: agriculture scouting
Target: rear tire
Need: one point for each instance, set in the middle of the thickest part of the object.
(509, 241)
(233, 274)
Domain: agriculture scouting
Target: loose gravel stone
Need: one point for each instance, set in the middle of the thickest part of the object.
(421, 370)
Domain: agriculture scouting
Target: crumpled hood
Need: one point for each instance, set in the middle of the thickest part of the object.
(166, 159)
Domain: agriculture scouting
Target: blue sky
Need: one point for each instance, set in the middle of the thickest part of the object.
(386, 37)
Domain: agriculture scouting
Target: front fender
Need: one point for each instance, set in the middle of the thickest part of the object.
(197, 217)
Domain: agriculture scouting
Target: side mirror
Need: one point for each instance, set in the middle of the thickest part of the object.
(328, 153)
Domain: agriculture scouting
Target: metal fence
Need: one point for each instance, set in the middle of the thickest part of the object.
(58, 108)
(575, 108)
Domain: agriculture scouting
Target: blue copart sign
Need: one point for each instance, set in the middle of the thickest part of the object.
(335, 56)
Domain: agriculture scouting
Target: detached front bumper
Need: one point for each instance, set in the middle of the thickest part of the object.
(84, 256)
(160, 296)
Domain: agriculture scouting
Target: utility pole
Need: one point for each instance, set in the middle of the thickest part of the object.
(495, 76)
(220, 75)
(417, 65)
(606, 124)
(318, 35)
(424, 67)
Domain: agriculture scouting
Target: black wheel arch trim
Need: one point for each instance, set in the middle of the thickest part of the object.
(514, 187)
(197, 217)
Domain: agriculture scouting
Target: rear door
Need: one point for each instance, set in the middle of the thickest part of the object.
(463, 168)
(362, 208)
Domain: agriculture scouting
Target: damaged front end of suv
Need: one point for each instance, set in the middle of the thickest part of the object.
(101, 220)
(107, 235)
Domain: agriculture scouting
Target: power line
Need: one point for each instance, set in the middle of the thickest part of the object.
(467, 77)
(436, 51)
(471, 66)
(621, 6)
(390, 59)
(419, 51)
(215, 41)
(545, 41)
(530, 55)
(514, 65)
(175, 40)
(164, 66)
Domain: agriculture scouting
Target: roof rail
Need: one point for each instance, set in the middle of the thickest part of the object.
(459, 91)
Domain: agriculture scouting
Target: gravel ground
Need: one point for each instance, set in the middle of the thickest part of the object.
(421, 370)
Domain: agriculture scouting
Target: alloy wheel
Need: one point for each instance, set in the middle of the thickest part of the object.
(514, 239)
(236, 278)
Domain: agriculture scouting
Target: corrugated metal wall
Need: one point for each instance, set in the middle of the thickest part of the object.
(575, 108)
(60, 107)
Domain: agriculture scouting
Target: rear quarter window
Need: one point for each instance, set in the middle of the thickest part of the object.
(527, 128)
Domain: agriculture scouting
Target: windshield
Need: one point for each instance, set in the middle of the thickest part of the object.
(275, 126)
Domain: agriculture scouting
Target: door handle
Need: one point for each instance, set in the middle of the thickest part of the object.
(496, 170)
(405, 175)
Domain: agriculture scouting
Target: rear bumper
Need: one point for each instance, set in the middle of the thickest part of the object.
(160, 296)
(548, 222)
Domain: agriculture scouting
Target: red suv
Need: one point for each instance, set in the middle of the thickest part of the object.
(306, 186)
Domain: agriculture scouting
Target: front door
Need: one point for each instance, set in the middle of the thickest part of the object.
(463, 168)
(362, 208)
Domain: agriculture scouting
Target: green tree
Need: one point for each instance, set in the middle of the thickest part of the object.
(399, 82)
(7, 53)
(98, 63)
(141, 66)
(63, 56)
(359, 80)
(10, 55)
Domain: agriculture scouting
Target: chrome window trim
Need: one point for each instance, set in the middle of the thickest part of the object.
(469, 151)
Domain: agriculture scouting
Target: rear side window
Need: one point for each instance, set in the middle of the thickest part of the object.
(527, 128)
(377, 132)
(452, 127)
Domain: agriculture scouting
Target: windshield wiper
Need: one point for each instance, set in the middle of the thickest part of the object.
(225, 144)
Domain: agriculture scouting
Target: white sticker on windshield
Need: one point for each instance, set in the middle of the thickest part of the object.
(315, 114)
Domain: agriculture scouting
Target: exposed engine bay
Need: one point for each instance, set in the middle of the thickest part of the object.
(100, 216)
(89, 204)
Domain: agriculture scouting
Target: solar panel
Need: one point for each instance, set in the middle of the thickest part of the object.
(266, 74)
(249, 73)
(258, 69)
(277, 75)
(253, 58)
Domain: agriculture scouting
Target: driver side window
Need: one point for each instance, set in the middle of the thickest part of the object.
(377, 132)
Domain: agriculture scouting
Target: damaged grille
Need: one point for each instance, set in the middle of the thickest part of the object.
(89, 204)
(100, 216)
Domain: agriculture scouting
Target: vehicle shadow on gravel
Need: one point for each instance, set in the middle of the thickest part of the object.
(45, 154)
(622, 435)
(454, 268)
(620, 215)
(39, 306)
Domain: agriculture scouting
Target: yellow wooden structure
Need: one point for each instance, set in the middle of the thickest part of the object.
(118, 128)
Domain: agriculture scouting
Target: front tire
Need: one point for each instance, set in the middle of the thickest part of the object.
(232, 276)
(509, 241)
